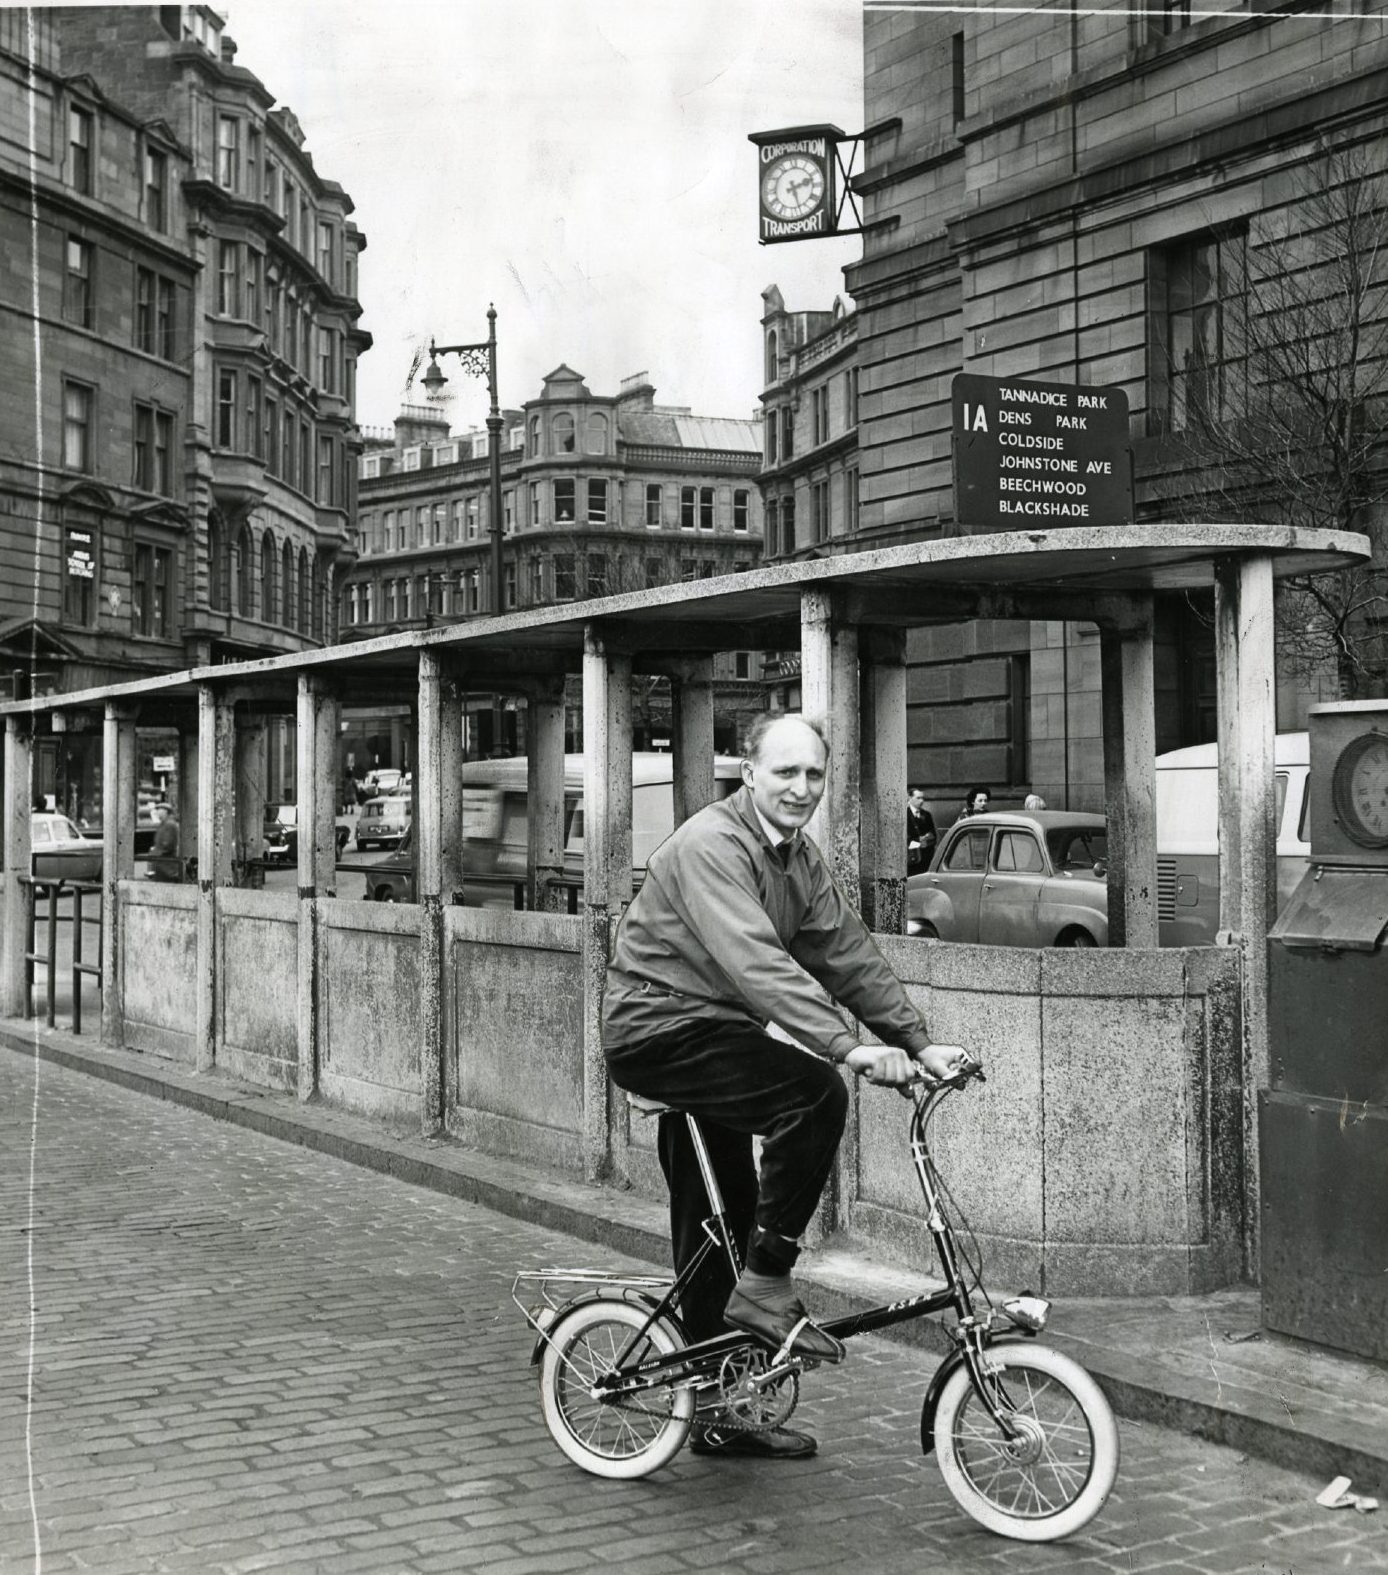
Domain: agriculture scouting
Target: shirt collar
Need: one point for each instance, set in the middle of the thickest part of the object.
(773, 834)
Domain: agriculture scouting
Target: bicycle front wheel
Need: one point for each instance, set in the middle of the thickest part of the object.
(1053, 1477)
(618, 1439)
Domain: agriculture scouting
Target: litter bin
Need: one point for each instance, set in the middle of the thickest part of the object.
(1323, 1128)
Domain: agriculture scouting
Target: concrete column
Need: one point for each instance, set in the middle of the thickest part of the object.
(19, 798)
(315, 797)
(606, 867)
(216, 825)
(1130, 784)
(118, 772)
(884, 786)
(544, 772)
(1247, 827)
(829, 690)
(691, 715)
(249, 791)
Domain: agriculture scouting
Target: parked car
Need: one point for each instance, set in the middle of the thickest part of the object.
(496, 826)
(1015, 878)
(379, 782)
(284, 820)
(59, 851)
(383, 822)
(1188, 835)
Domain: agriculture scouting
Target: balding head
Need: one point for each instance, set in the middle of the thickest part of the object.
(784, 767)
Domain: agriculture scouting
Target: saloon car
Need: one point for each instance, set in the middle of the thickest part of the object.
(60, 851)
(282, 833)
(383, 822)
(1015, 878)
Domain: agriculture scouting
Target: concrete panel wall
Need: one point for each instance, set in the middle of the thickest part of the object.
(158, 963)
(369, 1009)
(516, 1020)
(257, 974)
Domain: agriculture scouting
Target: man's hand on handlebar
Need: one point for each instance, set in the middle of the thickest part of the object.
(942, 1061)
(893, 1068)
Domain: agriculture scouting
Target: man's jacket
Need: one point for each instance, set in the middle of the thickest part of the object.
(723, 929)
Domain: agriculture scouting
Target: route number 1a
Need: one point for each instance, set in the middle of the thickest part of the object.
(975, 418)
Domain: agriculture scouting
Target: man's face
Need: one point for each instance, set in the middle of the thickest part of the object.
(787, 777)
(917, 802)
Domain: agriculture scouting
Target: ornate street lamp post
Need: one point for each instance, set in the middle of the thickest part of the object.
(480, 361)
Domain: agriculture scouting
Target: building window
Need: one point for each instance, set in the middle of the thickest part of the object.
(150, 584)
(80, 128)
(255, 419)
(850, 395)
(687, 502)
(325, 470)
(1169, 16)
(325, 360)
(819, 510)
(772, 429)
(537, 581)
(389, 594)
(272, 436)
(79, 577)
(563, 427)
(742, 664)
(653, 506)
(850, 501)
(78, 404)
(597, 574)
(241, 571)
(595, 433)
(436, 524)
(535, 445)
(228, 151)
(290, 448)
(705, 508)
(472, 527)
(287, 586)
(216, 584)
(564, 502)
(325, 251)
(306, 462)
(267, 577)
(229, 279)
(772, 522)
(77, 283)
(564, 577)
(772, 368)
(819, 413)
(403, 598)
(156, 188)
(302, 582)
(956, 72)
(508, 513)
(510, 585)
(472, 591)
(597, 502)
(787, 433)
(655, 572)
(1198, 289)
(253, 155)
(740, 508)
(787, 525)
(227, 403)
(154, 314)
(689, 570)
(421, 525)
(534, 503)
(252, 280)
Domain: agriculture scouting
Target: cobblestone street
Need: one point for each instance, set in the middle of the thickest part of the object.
(246, 1356)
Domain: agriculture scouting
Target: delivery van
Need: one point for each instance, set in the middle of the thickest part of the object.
(1188, 835)
(496, 826)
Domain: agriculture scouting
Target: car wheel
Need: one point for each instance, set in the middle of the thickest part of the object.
(385, 894)
(925, 930)
(1081, 939)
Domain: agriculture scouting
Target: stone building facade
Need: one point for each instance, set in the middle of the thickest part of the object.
(1062, 196)
(601, 493)
(178, 465)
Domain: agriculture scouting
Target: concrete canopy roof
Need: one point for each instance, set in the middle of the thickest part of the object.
(1079, 572)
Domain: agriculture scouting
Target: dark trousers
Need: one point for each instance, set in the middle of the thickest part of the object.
(739, 1083)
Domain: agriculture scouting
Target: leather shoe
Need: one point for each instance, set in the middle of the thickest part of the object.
(774, 1325)
(779, 1443)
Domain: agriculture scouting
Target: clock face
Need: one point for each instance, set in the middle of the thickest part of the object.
(792, 187)
(1361, 790)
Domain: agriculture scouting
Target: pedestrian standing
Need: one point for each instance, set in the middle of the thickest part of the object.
(920, 831)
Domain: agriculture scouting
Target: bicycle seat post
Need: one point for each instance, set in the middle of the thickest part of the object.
(696, 1137)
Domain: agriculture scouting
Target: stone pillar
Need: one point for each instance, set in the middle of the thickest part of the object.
(19, 797)
(316, 802)
(249, 794)
(829, 690)
(118, 773)
(216, 825)
(1130, 783)
(884, 786)
(1247, 698)
(691, 715)
(544, 771)
(606, 867)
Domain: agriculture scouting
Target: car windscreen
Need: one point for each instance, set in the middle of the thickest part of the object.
(1077, 847)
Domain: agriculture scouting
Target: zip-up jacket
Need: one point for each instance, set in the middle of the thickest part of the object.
(723, 929)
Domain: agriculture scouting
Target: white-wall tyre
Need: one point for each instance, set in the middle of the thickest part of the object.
(1058, 1480)
(617, 1441)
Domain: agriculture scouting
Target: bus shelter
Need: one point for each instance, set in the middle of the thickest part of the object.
(1113, 1149)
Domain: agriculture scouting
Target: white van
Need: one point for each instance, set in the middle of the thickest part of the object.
(1188, 835)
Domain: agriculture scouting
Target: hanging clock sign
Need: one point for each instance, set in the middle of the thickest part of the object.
(797, 182)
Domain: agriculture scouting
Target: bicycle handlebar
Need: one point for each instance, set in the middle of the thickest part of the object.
(971, 1071)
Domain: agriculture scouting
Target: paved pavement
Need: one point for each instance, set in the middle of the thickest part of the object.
(246, 1355)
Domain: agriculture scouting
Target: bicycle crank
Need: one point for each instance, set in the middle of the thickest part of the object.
(753, 1396)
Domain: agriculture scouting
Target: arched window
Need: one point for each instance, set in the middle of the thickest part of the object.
(287, 586)
(771, 358)
(536, 448)
(563, 426)
(244, 551)
(267, 577)
(216, 589)
(303, 619)
(595, 437)
(772, 527)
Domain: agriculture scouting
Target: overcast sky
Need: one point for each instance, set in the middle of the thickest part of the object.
(582, 163)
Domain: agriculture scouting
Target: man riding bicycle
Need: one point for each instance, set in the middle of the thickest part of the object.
(738, 925)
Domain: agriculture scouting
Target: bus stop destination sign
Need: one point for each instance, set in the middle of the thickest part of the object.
(1040, 455)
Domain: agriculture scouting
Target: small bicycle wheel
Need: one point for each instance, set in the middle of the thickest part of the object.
(624, 1438)
(1054, 1476)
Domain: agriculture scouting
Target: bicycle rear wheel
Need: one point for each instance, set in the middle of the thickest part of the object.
(1054, 1476)
(618, 1439)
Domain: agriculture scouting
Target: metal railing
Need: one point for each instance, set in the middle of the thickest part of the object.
(50, 891)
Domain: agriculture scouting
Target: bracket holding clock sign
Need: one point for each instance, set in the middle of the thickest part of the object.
(804, 183)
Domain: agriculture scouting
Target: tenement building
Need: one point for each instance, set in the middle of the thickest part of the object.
(600, 493)
(1144, 198)
(178, 457)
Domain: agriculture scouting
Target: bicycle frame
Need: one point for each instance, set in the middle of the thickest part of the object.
(700, 1365)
